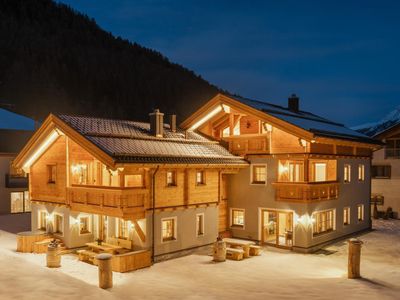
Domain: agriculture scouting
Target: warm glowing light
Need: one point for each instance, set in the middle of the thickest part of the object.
(132, 225)
(226, 108)
(305, 220)
(303, 142)
(283, 168)
(78, 168)
(206, 117)
(267, 127)
(47, 142)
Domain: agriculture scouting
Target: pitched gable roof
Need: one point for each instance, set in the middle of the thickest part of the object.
(128, 141)
(307, 122)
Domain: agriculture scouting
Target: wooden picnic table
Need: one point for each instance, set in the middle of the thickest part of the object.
(245, 245)
(104, 247)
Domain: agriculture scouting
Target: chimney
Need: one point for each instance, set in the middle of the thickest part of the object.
(157, 123)
(293, 103)
(172, 122)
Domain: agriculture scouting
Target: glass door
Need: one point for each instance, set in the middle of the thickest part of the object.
(277, 228)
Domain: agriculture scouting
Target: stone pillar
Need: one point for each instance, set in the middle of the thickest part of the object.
(105, 270)
(354, 258)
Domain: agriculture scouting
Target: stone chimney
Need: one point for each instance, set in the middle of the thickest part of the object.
(157, 123)
(293, 103)
(172, 122)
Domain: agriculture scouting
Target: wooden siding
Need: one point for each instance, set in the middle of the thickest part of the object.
(40, 188)
(223, 223)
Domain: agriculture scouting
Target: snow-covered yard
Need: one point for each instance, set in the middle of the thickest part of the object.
(275, 274)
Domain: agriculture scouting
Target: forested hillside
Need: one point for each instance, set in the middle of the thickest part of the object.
(54, 59)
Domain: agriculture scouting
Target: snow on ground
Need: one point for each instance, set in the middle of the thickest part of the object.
(277, 274)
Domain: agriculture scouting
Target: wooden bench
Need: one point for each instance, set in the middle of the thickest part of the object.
(126, 244)
(86, 255)
(235, 254)
(255, 250)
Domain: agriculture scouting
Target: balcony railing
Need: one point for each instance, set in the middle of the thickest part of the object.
(392, 152)
(119, 202)
(12, 181)
(306, 191)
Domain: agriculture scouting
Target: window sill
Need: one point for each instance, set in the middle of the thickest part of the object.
(200, 184)
(258, 183)
(169, 240)
(237, 226)
(171, 186)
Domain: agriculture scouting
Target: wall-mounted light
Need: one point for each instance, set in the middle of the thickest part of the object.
(267, 127)
(303, 143)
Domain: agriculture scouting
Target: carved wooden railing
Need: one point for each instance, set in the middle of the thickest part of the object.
(122, 202)
(239, 145)
(306, 191)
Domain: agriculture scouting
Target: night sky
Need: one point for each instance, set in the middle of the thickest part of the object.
(340, 57)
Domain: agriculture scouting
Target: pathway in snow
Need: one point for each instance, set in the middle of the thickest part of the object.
(277, 274)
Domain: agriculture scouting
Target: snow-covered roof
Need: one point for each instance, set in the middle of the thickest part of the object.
(11, 120)
(308, 121)
(374, 129)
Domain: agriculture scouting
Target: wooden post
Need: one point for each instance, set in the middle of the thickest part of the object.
(105, 270)
(354, 258)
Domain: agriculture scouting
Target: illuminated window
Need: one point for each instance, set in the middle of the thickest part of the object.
(79, 173)
(51, 173)
(346, 216)
(225, 132)
(122, 229)
(259, 174)
(134, 180)
(237, 217)
(320, 172)
(84, 225)
(199, 224)
(171, 178)
(360, 212)
(42, 220)
(200, 178)
(291, 171)
(361, 172)
(58, 224)
(27, 202)
(17, 202)
(168, 229)
(324, 222)
(347, 174)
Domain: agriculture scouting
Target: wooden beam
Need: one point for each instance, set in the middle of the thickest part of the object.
(139, 231)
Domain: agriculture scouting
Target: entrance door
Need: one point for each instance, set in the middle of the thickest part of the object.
(277, 228)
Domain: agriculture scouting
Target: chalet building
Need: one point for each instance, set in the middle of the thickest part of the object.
(308, 180)
(150, 183)
(246, 168)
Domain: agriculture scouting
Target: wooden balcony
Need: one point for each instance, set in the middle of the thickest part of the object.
(306, 192)
(128, 203)
(243, 144)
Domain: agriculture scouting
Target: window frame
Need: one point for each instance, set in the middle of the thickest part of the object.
(346, 174)
(51, 168)
(62, 224)
(362, 213)
(43, 218)
(23, 202)
(361, 172)
(142, 184)
(89, 225)
(348, 215)
(315, 233)
(174, 178)
(374, 169)
(203, 177)
(202, 225)
(174, 236)
(252, 174)
(232, 223)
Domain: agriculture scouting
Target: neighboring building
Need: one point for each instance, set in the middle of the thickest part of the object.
(14, 194)
(386, 162)
(290, 178)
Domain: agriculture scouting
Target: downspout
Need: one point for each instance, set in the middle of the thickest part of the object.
(153, 213)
